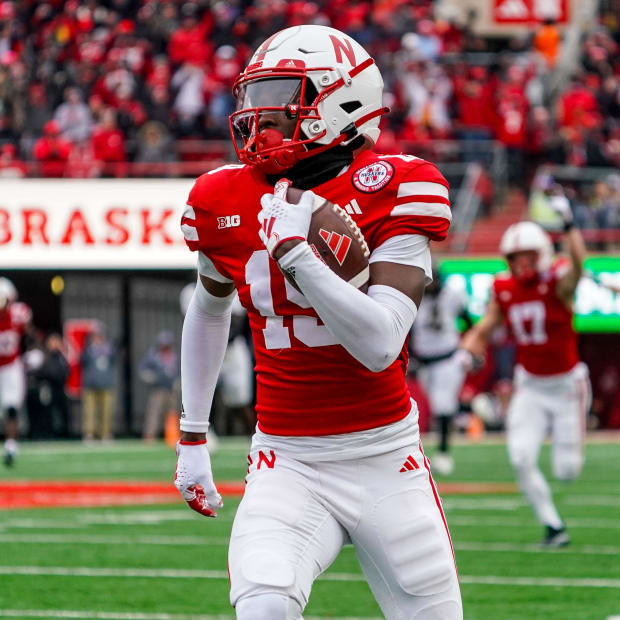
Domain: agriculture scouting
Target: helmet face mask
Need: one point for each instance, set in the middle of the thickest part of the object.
(267, 125)
(306, 89)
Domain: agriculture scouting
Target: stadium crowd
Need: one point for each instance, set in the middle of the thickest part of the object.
(88, 87)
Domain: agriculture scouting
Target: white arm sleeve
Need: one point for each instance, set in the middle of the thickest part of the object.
(203, 345)
(372, 327)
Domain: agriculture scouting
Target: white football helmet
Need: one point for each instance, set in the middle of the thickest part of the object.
(8, 293)
(315, 75)
(528, 236)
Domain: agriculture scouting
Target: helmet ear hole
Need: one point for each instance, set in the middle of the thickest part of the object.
(350, 106)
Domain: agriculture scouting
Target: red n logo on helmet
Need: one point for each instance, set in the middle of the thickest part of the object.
(343, 46)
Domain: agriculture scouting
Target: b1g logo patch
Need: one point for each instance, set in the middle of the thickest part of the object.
(373, 177)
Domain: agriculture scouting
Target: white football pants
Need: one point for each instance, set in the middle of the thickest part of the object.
(296, 516)
(442, 382)
(557, 404)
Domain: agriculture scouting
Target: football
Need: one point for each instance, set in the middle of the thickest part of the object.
(337, 240)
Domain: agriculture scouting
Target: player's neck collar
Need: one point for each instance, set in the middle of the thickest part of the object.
(314, 171)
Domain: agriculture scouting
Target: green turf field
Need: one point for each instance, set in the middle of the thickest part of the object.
(165, 562)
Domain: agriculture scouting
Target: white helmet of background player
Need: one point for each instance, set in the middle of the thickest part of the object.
(8, 293)
(315, 75)
(527, 237)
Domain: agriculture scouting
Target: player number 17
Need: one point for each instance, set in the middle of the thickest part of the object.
(528, 322)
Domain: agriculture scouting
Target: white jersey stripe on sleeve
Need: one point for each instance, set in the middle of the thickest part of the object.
(434, 209)
(189, 231)
(422, 188)
(208, 269)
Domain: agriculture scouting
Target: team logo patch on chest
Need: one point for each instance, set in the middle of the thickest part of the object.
(373, 177)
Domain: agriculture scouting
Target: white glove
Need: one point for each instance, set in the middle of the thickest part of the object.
(561, 206)
(194, 478)
(282, 221)
(465, 359)
(468, 361)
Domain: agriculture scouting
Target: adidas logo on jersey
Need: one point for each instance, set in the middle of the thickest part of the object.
(409, 465)
(352, 208)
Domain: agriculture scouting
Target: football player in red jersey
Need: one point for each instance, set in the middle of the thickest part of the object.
(551, 386)
(336, 456)
(14, 318)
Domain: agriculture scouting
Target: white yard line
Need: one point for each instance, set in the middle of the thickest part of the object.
(551, 582)
(103, 539)
(105, 615)
(165, 573)
(529, 548)
(113, 615)
(592, 500)
(81, 520)
(491, 503)
(177, 541)
(597, 524)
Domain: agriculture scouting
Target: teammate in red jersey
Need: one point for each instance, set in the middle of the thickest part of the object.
(14, 318)
(336, 456)
(551, 385)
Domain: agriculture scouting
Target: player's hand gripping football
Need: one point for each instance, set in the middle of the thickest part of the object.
(194, 478)
(282, 221)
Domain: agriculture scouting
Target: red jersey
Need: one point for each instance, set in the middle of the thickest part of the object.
(541, 323)
(308, 384)
(13, 322)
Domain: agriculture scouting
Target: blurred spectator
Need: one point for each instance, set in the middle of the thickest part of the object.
(52, 151)
(577, 107)
(545, 189)
(108, 142)
(155, 145)
(38, 112)
(547, 42)
(53, 375)
(175, 62)
(47, 402)
(98, 362)
(73, 117)
(160, 369)
(189, 101)
(39, 423)
(10, 165)
(190, 43)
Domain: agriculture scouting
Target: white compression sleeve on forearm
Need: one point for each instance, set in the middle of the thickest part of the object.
(372, 327)
(203, 345)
